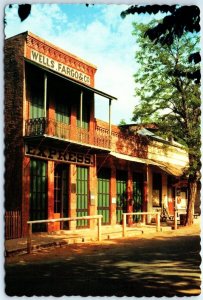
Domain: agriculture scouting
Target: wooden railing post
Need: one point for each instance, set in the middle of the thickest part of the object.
(99, 229)
(124, 224)
(124, 227)
(175, 220)
(29, 238)
(158, 222)
(29, 223)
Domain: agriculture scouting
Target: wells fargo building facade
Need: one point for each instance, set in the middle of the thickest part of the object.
(60, 160)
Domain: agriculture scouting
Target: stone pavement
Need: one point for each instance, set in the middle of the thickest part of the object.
(65, 237)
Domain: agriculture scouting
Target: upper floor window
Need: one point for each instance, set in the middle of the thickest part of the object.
(86, 100)
(63, 98)
(35, 91)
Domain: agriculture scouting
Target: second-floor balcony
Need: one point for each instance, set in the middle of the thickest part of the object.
(99, 137)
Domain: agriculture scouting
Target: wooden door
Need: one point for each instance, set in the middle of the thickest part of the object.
(82, 195)
(121, 198)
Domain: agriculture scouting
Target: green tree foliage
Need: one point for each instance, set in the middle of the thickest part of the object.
(168, 96)
(122, 122)
(179, 20)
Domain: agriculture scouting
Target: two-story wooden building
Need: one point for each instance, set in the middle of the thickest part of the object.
(60, 161)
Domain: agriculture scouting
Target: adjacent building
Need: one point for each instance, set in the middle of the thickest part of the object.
(60, 161)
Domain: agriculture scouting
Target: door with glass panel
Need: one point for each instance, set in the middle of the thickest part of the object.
(82, 195)
(104, 195)
(61, 193)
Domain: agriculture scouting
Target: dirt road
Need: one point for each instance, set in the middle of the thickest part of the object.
(165, 264)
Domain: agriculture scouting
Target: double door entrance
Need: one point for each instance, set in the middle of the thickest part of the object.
(61, 193)
(39, 193)
(61, 200)
(122, 195)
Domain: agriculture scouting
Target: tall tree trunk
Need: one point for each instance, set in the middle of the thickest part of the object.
(192, 194)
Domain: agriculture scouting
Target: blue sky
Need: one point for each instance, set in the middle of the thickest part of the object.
(97, 34)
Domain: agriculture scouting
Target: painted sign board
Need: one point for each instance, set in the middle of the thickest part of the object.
(51, 153)
(59, 67)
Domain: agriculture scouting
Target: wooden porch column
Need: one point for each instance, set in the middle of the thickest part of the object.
(93, 195)
(51, 115)
(92, 121)
(25, 194)
(113, 194)
(72, 196)
(45, 95)
(129, 195)
(149, 205)
(164, 191)
(110, 123)
(73, 117)
(50, 196)
(145, 193)
(81, 108)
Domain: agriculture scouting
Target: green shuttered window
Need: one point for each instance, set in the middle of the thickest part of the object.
(104, 195)
(38, 193)
(121, 198)
(82, 195)
(62, 108)
(138, 182)
(37, 94)
(85, 111)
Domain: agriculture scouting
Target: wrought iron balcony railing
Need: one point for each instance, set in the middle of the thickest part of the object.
(40, 126)
(35, 127)
(99, 136)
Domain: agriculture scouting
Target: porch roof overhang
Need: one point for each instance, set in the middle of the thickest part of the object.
(170, 169)
(61, 143)
(134, 159)
(84, 86)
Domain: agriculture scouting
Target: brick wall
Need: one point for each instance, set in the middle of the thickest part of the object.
(13, 119)
(124, 141)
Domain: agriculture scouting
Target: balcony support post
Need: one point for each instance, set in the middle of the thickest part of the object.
(81, 108)
(110, 122)
(45, 95)
(81, 116)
